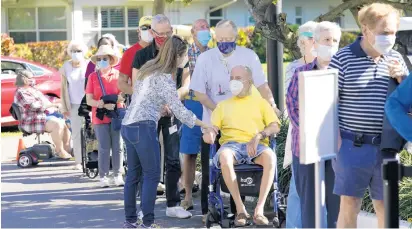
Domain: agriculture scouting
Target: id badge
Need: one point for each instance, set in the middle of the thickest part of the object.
(172, 129)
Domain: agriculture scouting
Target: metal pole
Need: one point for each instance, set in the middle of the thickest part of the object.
(391, 176)
(280, 79)
(272, 57)
(320, 194)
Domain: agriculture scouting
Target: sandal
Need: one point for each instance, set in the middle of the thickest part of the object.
(241, 219)
(260, 220)
(187, 205)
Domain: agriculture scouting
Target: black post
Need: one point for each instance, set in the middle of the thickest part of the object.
(274, 59)
(391, 175)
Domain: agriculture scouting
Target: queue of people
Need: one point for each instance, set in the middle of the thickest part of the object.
(198, 96)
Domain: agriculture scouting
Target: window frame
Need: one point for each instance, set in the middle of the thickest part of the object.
(299, 16)
(100, 30)
(210, 18)
(37, 30)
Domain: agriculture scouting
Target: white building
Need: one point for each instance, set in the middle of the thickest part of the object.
(46, 20)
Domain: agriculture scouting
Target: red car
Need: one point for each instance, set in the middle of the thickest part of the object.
(47, 81)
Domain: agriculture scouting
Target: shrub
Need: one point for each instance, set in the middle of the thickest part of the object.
(347, 38)
(50, 53)
(7, 45)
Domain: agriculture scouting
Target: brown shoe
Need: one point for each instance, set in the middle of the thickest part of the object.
(260, 220)
(64, 155)
(241, 219)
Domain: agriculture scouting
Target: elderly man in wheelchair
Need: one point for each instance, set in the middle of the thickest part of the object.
(39, 115)
(245, 123)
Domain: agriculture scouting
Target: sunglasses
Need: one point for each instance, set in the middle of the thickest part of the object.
(77, 51)
(104, 59)
(145, 27)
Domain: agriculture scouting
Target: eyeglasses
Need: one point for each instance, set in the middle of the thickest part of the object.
(77, 51)
(167, 34)
(104, 59)
(145, 27)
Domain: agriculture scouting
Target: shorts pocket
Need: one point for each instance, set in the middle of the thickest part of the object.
(131, 133)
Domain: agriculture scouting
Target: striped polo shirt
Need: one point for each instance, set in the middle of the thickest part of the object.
(363, 86)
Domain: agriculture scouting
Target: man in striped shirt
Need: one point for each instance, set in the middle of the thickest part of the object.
(365, 68)
(327, 36)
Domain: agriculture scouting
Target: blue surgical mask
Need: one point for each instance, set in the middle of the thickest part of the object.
(203, 37)
(226, 47)
(103, 64)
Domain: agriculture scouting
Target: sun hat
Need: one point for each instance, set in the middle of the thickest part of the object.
(106, 50)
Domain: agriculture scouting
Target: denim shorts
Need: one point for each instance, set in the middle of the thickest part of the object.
(240, 153)
(356, 169)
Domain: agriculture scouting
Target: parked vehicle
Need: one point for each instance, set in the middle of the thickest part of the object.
(47, 81)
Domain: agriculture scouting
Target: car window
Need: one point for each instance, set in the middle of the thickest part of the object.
(8, 67)
(37, 71)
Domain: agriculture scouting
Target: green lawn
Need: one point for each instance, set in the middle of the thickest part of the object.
(10, 132)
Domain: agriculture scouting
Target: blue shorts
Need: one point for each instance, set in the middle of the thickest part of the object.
(240, 153)
(59, 116)
(191, 139)
(356, 169)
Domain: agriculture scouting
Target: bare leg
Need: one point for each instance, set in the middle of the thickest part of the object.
(268, 161)
(189, 168)
(55, 128)
(348, 212)
(380, 212)
(227, 161)
(66, 138)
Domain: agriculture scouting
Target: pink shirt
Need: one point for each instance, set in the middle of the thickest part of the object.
(110, 85)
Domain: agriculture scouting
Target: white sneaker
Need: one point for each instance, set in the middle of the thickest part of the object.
(104, 182)
(118, 180)
(161, 187)
(78, 167)
(178, 212)
(140, 215)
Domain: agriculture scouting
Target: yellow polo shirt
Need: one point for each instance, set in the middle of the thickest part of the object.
(240, 119)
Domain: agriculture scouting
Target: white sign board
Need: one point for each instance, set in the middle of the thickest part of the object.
(318, 115)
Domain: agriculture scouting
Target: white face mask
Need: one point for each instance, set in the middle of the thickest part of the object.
(326, 52)
(236, 87)
(77, 56)
(146, 36)
(313, 52)
(384, 43)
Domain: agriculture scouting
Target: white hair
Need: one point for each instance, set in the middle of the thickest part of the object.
(327, 26)
(116, 44)
(227, 23)
(81, 44)
(159, 19)
(309, 27)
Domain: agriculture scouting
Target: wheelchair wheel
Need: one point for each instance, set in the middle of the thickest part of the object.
(24, 161)
(92, 173)
(209, 220)
(276, 222)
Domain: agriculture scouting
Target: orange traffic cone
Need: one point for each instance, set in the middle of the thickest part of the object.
(20, 147)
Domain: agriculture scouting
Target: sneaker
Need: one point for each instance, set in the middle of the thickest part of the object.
(161, 187)
(178, 212)
(118, 180)
(104, 182)
(130, 225)
(140, 215)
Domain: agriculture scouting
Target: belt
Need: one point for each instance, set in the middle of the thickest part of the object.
(359, 139)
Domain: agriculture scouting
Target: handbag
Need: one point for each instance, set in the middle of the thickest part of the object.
(117, 114)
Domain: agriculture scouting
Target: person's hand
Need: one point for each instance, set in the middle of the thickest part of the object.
(109, 106)
(66, 114)
(120, 98)
(209, 134)
(252, 145)
(57, 105)
(166, 112)
(100, 104)
(277, 111)
(396, 70)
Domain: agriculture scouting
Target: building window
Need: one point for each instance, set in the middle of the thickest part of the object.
(339, 19)
(37, 24)
(215, 17)
(122, 22)
(298, 15)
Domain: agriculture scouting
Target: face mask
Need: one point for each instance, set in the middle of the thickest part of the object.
(226, 47)
(203, 37)
(146, 36)
(103, 64)
(384, 43)
(236, 87)
(326, 52)
(77, 56)
(160, 41)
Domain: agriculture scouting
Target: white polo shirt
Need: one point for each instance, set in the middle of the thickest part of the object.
(212, 74)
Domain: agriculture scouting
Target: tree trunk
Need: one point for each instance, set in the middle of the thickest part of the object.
(158, 7)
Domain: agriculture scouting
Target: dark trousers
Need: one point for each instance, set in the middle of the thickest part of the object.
(171, 144)
(305, 186)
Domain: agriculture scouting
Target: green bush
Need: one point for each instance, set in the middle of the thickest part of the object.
(347, 38)
(7, 45)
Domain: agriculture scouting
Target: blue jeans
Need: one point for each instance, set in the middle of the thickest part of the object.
(143, 155)
(293, 213)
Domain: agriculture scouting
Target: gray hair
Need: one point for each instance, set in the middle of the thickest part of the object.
(327, 26)
(81, 44)
(310, 27)
(247, 69)
(227, 23)
(21, 77)
(197, 21)
(159, 19)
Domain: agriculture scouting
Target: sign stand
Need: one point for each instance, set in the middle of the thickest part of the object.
(320, 194)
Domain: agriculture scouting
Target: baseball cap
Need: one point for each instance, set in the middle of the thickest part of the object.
(145, 20)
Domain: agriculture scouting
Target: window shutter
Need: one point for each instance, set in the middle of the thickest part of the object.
(90, 18)
(133, 16)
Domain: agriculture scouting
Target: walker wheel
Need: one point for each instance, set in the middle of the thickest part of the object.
(92, 173)
(209, 220)
(276, 222)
